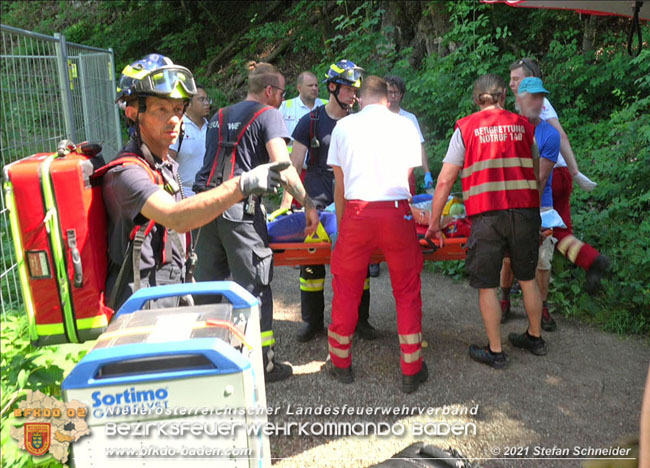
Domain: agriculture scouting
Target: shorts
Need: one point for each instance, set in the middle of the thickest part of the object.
(493, 234)
(546, 253)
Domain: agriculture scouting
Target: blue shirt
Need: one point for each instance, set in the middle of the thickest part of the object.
(548, 141)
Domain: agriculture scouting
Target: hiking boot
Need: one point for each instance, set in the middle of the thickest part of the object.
(309, 331)
(279, 371)
(505, 311)
(595, 274)
(341, 374)
(374, 269)
(537, 346)
(365, 331)
(410, 383)
(485, 356)
(548, 323)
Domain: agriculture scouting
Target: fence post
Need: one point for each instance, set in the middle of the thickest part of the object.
(64, 86)
(112, 72)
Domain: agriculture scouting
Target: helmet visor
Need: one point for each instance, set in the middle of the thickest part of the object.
(171, 81)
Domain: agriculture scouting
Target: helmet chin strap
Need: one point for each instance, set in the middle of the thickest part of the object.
(336, 96)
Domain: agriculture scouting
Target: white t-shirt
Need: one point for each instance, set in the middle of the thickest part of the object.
(364, 145)
(548, 112)
(190, 158)
(413, 119)
(293, 109)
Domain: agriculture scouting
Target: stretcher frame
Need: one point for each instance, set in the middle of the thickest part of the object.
(318, 253)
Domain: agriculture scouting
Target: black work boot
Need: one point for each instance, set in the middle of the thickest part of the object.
(410, 383)
(596, 272)
(342, 374)
(274, 371)
(309, 331)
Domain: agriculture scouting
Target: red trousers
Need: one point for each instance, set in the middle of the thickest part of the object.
(577, 251)
(365, 227)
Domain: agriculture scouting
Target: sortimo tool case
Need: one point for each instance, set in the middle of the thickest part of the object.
(58, 226)
(157, 368)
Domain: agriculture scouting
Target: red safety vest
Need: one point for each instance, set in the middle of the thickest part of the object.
(498, 173)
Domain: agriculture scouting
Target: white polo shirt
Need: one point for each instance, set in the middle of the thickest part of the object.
(413, 119)
(364, 145)
(293, 109)
(548, 112)
(190, 158)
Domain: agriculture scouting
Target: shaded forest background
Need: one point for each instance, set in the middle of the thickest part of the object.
(602, 95)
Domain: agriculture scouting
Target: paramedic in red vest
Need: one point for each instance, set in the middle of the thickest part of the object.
(240, 138)
(312, 135)
(496, 151)
(156, 92)
(371, 196)
(566, 172)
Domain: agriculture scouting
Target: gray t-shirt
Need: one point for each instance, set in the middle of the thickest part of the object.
(125, 189)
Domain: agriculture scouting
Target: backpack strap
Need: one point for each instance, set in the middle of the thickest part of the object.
(314, 143)
(223, 166)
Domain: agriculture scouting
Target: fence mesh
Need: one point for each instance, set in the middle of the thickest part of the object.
(49, 90)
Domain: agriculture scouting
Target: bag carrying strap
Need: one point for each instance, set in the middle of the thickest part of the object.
(314, 143)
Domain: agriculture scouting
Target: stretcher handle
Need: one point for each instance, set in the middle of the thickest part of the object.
(430, 246)
(235, 294)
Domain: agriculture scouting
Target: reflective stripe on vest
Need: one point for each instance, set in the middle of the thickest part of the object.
(498, 172)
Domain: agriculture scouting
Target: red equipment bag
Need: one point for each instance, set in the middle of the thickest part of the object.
(58, 226)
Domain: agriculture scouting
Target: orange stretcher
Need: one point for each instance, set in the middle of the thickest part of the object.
(318, 253)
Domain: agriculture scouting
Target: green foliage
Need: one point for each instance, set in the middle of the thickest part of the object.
(26, 367)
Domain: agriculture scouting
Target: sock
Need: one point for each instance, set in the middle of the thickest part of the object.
(505, 294)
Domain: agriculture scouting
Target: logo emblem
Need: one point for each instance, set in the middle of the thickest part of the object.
(37, 438)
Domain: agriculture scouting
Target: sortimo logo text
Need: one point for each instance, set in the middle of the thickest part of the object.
(128, 396)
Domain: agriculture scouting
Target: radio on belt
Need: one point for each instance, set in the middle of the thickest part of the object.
(183, 384)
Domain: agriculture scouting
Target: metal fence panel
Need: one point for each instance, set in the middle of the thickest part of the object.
(50, 89)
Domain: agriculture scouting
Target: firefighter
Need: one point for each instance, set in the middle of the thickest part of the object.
(499, 159)
(312, 135)
(371, 196)
(241, 137)
(145, 192)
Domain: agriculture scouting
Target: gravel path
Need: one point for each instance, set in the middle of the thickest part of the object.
(586, 392)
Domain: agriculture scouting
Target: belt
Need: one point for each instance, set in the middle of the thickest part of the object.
(377, 204)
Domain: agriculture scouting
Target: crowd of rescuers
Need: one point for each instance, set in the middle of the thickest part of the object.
(361, 161)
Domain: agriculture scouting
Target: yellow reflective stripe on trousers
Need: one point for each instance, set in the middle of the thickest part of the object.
(312, 285)
(413, 338)
(412, 357)
(496, 164)
(342, 353)
(267, 338)
(366, 284)
(500, 186)
(343, 340)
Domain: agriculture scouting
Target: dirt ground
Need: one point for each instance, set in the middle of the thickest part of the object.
(586, 393)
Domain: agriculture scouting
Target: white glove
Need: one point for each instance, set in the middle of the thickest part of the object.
(584, 182)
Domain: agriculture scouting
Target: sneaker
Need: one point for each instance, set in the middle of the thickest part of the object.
(365, 331)
(525, 341)
(341, 374)
(596, 273)
(308, 332)
(374, 269)
(279, 371)
(410, 383)
(515, 290)
(548, 323)
(505, 310)
(485, 356)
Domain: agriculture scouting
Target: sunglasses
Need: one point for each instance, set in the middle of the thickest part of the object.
(525, 63)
